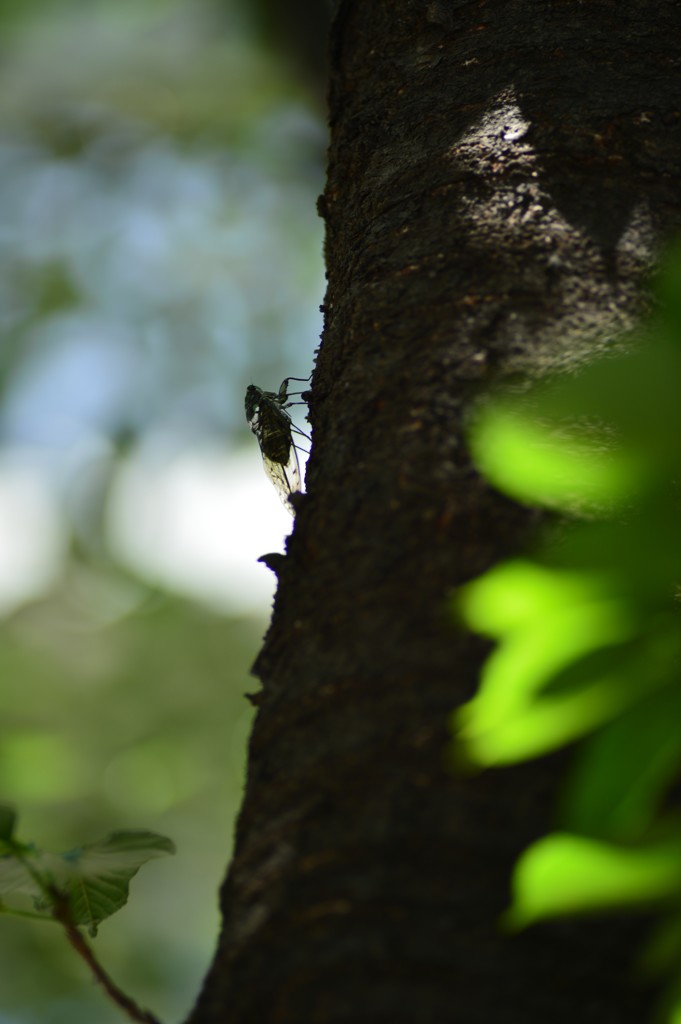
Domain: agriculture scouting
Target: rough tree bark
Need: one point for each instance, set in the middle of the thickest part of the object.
(501, 175)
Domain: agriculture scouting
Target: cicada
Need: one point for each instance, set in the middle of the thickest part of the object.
(268, 418)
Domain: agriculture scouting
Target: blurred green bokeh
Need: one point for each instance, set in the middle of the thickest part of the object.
(159, 250)
(586, 627)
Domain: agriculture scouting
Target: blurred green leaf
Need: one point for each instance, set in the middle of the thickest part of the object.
(568, 874)
(638, 556)
(548, 622)
(15, 878)
(527, 459)
(94, 878)
(511, 595)
(619, 779)
(588, 634)
(588, 629)
(628, 398)
(663, 950)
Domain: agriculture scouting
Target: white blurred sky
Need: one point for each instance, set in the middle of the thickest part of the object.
(198, 524)
(194, 522)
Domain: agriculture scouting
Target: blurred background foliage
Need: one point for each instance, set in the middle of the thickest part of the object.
(587, 632)
(159, 250)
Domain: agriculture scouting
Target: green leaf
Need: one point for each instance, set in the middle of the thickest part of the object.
(587, 636)
(617, 784)
(640, 555)
(96, 877)
(575, 650)
(15, 877)
(568, 874)
(547, 621)
(512, 595)
(524, 458)
(662, 952)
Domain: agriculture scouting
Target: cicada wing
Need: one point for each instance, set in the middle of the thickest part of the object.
(284, 476)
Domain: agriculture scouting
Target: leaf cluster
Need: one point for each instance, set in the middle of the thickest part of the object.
(92, 880)
(587, 629)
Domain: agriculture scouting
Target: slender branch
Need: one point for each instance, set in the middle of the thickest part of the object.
(61, 913)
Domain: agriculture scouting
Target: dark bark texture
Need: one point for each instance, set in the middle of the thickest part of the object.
(502, 174)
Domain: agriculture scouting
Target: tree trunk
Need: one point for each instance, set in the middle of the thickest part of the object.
(501, 176)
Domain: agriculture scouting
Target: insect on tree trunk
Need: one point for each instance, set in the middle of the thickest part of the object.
(501, 176)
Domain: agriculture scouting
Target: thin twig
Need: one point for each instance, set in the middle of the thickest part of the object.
(61, 913)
